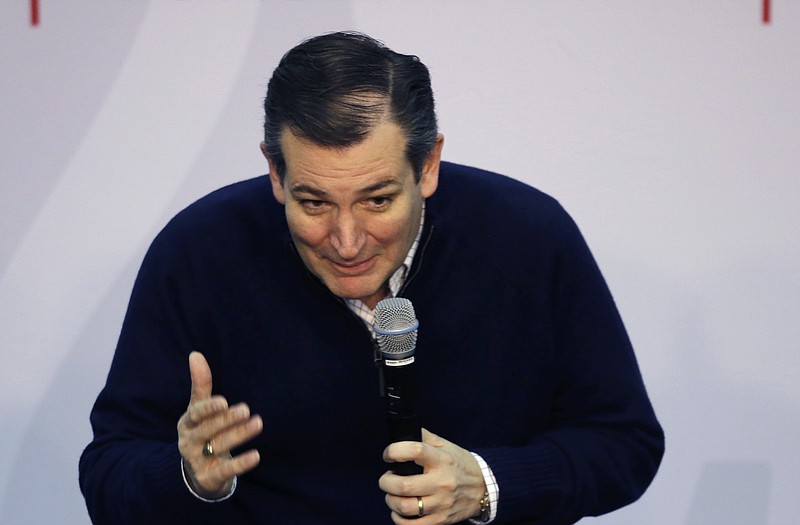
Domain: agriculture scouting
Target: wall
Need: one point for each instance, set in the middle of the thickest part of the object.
(668, 129)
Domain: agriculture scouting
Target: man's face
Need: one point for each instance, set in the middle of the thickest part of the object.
(353, 213)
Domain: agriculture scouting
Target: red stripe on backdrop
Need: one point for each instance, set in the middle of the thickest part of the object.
(34, 12)
(766, 12)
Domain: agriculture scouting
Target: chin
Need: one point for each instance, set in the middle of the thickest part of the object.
(351, 292)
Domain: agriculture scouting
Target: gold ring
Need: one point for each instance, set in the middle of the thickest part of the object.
(421, 506)
(208, 450)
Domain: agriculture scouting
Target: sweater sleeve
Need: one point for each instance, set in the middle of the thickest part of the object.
(604, 444)
(131, 471)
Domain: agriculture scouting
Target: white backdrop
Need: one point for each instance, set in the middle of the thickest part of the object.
(670, 130)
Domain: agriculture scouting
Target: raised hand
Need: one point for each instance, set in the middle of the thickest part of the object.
(207, 432)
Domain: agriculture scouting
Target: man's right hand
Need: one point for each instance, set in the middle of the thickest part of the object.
(209, 424)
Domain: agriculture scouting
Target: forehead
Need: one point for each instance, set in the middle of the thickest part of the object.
(382, 154)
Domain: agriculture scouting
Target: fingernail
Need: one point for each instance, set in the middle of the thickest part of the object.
(255, 423)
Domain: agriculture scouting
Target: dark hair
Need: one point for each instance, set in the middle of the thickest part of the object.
(335, 88)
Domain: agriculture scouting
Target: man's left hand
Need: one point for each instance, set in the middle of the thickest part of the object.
(449, 489)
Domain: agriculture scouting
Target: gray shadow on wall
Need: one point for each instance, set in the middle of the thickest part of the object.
(731, 493)
(46, 467)
(50, 99)
(731, 443)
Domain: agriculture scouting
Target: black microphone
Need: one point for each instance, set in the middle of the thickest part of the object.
(395, 329)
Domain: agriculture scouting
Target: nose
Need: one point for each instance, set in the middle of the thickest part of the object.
(347, 236)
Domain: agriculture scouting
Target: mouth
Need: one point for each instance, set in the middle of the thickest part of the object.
(353, 268)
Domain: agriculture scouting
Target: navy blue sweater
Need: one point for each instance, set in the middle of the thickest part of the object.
(521, 357)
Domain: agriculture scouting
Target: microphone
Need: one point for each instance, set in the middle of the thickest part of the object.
(395, 328)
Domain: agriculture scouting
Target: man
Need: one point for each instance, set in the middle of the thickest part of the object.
(268, 286)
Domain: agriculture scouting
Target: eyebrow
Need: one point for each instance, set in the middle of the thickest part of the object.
(305, 188)
(321, 194)
(382, 185)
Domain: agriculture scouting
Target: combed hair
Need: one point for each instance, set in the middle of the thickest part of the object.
(333, 89)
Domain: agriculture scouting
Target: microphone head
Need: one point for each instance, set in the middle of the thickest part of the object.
(395, 328)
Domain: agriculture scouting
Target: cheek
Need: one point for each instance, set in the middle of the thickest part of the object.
(398, 227)
(309, 231)
(387, 234)
(391, 233)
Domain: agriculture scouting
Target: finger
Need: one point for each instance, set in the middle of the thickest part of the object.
(404, 486)
(409, 506)
(403, 520)
(201, 377)
(237, 435)
(423, 454)
(429, 518)
(217, 422)
(436, 508)
(199, 411)
(428, 453)
(236, 466)
(404, 451)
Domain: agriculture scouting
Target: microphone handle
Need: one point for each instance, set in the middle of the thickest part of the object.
(401, 402)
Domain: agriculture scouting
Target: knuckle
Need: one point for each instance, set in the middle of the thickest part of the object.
(194, 414)
(407, 486)
(449, 485)
(204, 428)
(447, 459)
(384, 483)
(232, 417)
(408, 507)
(449, 500)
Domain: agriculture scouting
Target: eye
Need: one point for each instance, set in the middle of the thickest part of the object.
(313, 205)
(379, 203)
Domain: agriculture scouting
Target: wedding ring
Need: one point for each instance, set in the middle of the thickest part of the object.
(421, 506)
(208, 450)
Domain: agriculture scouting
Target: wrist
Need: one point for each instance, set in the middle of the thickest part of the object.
(488, 502)
(205, 495)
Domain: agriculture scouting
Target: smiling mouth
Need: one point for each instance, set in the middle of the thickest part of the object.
(355, 268)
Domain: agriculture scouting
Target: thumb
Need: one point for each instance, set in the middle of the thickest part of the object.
(201, 377)
(432, 439)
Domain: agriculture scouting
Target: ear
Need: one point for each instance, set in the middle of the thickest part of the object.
(429, 180)
(274, 178)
